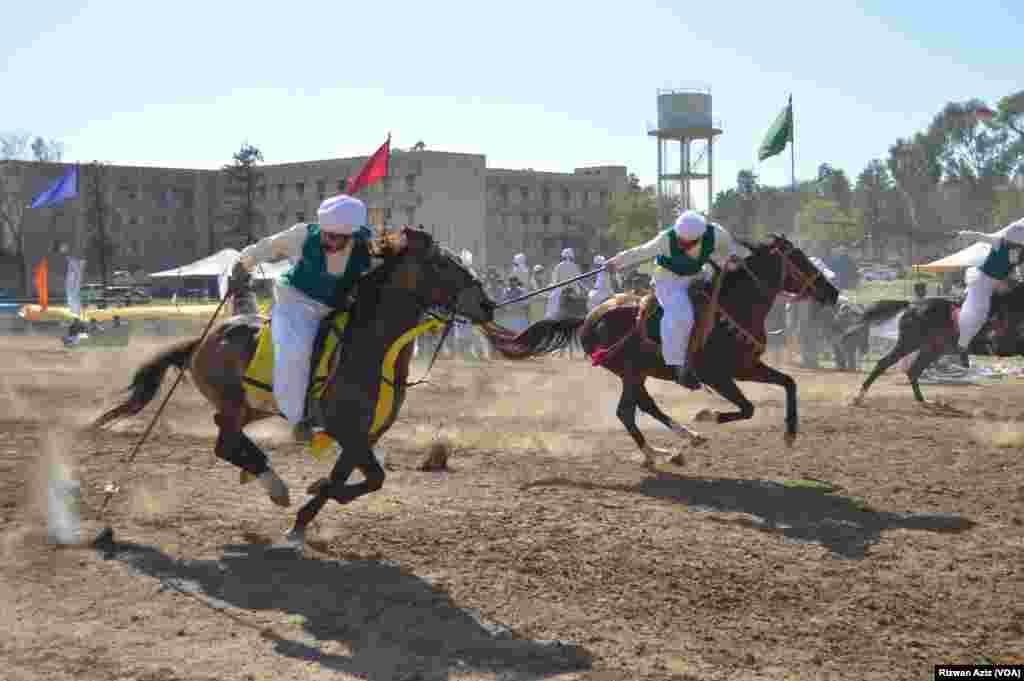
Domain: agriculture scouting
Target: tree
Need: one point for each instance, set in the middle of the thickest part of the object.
(419, 146)
(16, 192)
(975, 154)
(871, 196)
(834, 186)
(242, 180)
(824, 223)
(633, 216)
(100, 247)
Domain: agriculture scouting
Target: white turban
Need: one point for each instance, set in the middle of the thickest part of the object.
(519, 259)
(341, 214)
(567, 254)
(690, 225)
(1013, 232)
(599, 260)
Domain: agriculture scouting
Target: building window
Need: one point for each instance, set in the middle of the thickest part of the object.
(133, 220)
(136, 247)
(546, 197)
(546, 220)
(262, 192)
(321, 188)
(524, 193)
(300, 189)
(281, 218)
(410, 215)
(503, 193)
(526, 219)
(386, 183)
(604, 197)
(410, 182)
(280, 192)
(566, 198)
(300, 216)
(586, 198)
(387, 214)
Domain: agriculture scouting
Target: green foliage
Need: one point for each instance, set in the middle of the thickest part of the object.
(242, 180)
(825, 223)
(633, 216)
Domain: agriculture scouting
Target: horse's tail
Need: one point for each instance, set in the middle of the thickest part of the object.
(146, 381)
(879, 312)
(540, 338)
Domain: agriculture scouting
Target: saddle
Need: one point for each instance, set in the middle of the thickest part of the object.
(328, 349)
(651, 313)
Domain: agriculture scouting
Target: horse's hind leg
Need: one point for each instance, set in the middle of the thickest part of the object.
(650, 407)
(902, 349)
(236, 448)
(762, 373)
(626, 411)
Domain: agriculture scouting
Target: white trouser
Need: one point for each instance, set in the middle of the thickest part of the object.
(976, 307)
(601, 292)
(553, 310)
(293, 326)
(677, 322)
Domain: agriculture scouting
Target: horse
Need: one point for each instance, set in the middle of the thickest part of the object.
(931, 328)
(416, 277)
(612, 334)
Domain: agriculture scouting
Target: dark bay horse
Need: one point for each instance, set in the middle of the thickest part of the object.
(417, 275)
(931, 328)
(731, 352)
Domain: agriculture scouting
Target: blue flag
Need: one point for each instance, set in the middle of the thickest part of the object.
(66, 187)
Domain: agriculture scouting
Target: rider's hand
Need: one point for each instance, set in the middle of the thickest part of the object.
(248, 262)
(732, 263)
(611, 265)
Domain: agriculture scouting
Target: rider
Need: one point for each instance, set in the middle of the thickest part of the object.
(681, 252)
(328, 257)
(565, 269)
(1003, 257)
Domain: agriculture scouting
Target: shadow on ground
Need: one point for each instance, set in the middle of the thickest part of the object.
(841, 524)
(396, 625)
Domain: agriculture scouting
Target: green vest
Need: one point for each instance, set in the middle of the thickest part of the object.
(310, 274)
(679, 262)
(997, 264)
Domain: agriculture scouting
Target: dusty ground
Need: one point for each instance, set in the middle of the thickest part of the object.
(546, 551)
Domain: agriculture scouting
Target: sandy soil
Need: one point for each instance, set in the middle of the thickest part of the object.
(546, 552)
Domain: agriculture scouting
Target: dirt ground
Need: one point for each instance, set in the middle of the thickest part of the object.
(889, 539)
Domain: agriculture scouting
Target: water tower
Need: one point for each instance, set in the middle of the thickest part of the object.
(684, 117)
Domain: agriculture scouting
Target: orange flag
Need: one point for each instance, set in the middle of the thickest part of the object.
(42, 278)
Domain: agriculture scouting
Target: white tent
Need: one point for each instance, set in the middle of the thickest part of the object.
(210, 266)
(271, 270)
(972, 256)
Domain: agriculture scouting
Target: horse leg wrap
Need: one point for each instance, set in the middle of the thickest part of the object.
(239, 450)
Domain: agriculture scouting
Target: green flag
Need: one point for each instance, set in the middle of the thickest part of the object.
(780, 133)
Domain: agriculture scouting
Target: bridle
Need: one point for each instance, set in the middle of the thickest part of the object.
(789, 268)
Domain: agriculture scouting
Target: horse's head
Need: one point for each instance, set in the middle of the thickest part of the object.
(798, 276)
(434, 275)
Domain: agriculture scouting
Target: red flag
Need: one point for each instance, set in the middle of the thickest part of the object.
(376, 168)
(42, 279)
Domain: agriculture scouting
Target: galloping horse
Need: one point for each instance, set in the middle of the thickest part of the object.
(731, 352)
(416, 276)
(931, 326)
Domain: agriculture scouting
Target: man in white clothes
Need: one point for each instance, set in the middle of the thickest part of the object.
(602, 290)
(1004, 256)
(681, 252)
(565, 269)
(328, 258)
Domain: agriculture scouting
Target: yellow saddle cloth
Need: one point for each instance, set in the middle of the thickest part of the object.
(259, 376)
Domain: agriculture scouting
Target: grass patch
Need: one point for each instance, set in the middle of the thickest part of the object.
(810, 483)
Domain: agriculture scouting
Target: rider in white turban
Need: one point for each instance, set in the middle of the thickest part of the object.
(993, 273)
(681, 251)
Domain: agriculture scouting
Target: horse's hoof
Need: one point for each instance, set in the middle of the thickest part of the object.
(678, 459)
(296, 539)
(789, 439)
(857, 401)
(317, 487)
(698, 441)
(704, 415)
(276, 489)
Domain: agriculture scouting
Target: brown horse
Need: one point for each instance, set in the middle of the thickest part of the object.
(731, 352)
(417, 276)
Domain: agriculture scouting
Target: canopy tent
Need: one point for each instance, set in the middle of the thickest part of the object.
(220, 262)
(972, 256)
(210, 266)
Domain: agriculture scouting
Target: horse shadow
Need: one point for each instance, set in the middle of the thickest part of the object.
(395, 624)
(843, 525)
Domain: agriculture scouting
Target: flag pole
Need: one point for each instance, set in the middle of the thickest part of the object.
(792, 143)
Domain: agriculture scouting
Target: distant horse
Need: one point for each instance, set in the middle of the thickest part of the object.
(931, 327)
(416, 275)
(613, 335)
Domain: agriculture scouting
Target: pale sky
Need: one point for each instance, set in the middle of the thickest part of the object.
(543, 85)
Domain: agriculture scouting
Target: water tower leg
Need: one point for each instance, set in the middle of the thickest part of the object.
(711, 173)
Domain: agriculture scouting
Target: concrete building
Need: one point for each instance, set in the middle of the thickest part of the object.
(161, 217)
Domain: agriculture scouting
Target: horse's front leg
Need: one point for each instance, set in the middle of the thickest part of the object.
(762, 373)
